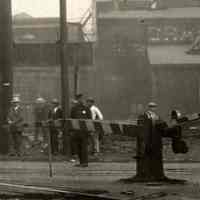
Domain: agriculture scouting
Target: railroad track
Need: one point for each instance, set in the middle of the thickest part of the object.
(19, 191)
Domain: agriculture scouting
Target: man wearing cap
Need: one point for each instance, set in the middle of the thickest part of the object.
(150, 142)
(148, 119)
(96, 115)
(15, 121)
(80, 137)
(151, 112)
(40, 114)
(54, 114)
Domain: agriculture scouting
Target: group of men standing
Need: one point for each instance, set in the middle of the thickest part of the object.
(42, 112)
(79, 138)
(80, 109)
(15, 121)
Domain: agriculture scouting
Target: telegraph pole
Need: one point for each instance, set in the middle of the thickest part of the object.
(64, 58)
(6, 74)
(76, 67)
(64, 70)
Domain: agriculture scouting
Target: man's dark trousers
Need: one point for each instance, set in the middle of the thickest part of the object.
(15, 140)
(81, 141)
(54, 139)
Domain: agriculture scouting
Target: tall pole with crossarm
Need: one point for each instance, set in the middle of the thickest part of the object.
(64, 69)
(5, 68)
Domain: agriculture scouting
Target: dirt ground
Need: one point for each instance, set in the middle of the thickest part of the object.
(101, 179)
(103, 174)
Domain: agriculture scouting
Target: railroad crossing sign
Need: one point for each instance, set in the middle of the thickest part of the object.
(149, 139)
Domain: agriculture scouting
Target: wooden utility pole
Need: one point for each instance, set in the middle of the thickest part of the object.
(6, 74)
(64, 58)
(64, 70)
(76, 67)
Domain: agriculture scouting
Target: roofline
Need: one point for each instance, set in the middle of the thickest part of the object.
(166, 14)
(50, 42)
(41, 20)
(183, 65)
(149, 19)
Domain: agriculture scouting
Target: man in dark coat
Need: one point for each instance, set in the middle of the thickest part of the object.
(150, 165)
(15, 121)
(54, 114)
(80, 137)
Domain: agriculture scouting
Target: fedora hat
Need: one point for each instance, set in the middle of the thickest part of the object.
(152, 104)
(40, 100)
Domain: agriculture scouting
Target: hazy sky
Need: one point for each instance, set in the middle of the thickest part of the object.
(46, 8)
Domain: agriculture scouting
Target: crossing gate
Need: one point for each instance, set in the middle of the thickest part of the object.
(108, 127)
(134, 128)
(123, 127)
(149, 162)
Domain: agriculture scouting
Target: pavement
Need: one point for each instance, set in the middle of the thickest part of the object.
(99, 178)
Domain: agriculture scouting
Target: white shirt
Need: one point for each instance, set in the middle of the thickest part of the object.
(16, 108)
(152, 115)
(55, 109)
(96, 113)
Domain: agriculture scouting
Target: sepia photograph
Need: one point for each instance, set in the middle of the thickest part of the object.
(99, 99)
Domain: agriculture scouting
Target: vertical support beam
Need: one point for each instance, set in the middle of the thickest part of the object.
(94, 20)
(154, 84)
(64, 58)
(49, 151)
(76, 67)
(6, 74)
(64, 72)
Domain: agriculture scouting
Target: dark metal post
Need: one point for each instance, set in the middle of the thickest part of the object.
(49, 151)
(76, 67)
(76, 73)
(6, 74)
(64, 70)
(63, 58)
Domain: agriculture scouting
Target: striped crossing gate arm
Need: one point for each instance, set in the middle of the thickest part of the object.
(107, 127)
(190, 120)
(194, 116)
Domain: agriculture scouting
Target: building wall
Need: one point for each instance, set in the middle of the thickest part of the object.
(106, 6)
(48, 54)
(123, 82)
(126, 81)
(176, 87)
(44, 30)
(31, 82)
(181, 3)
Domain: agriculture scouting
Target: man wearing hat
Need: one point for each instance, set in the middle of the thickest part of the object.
(15, 121)
(55, 113)
(96, 115)
(80, 137)
(151, 112)
(150, 143)
(148, 120)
